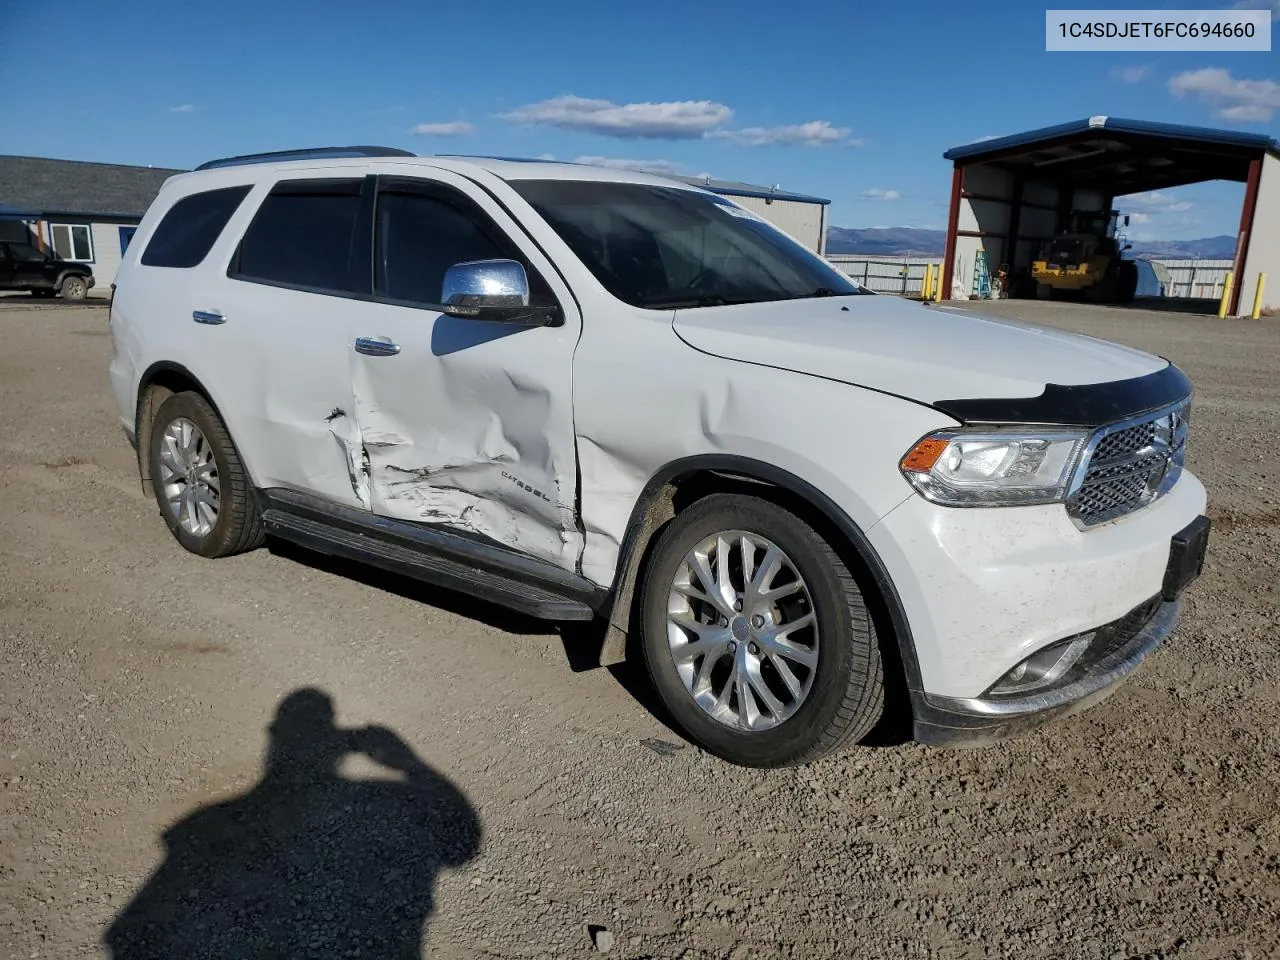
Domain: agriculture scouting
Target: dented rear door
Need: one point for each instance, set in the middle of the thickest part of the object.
(463, 423)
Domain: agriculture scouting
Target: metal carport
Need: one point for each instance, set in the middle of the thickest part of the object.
(1010, 193)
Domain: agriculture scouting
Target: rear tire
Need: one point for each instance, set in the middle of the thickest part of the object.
(824, 622)
(200, 483)
(74, 288)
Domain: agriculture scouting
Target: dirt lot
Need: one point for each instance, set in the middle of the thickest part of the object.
(139, 685)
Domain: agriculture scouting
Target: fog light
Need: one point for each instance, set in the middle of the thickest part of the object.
(1043, 668)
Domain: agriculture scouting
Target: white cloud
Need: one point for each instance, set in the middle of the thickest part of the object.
(1244, 100)
(1131, 74)
(1246, 112)
(985, 137)
(663, 167)
(877, 194)
(677, 120)
(183, 108)
(546, 156)
(815, 133)
(452, 128)
(1139, 217)
(672, 120)
(1157, 202)
(1272, 5)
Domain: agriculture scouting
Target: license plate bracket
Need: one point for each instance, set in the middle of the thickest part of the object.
(1186, 557)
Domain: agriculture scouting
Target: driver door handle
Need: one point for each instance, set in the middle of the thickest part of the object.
(376, 346)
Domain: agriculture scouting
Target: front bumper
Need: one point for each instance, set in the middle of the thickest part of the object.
(977, 721)
(983, 591)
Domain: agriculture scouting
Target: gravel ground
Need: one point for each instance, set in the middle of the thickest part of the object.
(144, 689)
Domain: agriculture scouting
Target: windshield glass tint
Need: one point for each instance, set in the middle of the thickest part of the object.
(663, 247)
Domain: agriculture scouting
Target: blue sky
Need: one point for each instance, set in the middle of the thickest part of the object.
(852, 101)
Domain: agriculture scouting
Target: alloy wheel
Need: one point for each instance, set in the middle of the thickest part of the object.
(742, 630)
(189, 477)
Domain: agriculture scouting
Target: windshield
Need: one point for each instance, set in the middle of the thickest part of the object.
(665, 248)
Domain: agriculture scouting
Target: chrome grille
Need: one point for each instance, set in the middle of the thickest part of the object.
(1128, 465)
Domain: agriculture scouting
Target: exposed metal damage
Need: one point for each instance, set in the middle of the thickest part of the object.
(435, 444)
(347, 436)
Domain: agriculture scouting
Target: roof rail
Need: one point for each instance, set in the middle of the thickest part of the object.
(316, 153)
(490, 156)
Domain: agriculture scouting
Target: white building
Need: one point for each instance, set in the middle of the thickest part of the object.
(801, 216)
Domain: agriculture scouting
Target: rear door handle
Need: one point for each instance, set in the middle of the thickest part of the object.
(208, 316)
(376, 347)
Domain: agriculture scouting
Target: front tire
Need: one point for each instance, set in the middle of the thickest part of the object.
(756, 637)
(74, 288)
(200, 484)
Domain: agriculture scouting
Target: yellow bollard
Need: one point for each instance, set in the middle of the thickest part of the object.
(1226, 294)
(926, 286)
(1257, 296)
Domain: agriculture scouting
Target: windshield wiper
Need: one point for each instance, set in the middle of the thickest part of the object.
(696, 302)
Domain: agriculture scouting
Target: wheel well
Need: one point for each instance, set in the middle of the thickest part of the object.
(663, 501)
(158, 384)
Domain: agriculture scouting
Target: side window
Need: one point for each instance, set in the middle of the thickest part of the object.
(424, 230)
(25, 252)
(307, 234)
(187, 233)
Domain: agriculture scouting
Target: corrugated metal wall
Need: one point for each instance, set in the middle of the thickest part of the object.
(1264, 245)
(804, 221)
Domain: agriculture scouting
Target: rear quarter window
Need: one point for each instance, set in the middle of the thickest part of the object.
(187, 233)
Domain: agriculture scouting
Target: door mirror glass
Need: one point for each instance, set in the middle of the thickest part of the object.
(494, 290)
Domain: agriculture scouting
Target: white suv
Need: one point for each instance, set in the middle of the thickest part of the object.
(587, 393)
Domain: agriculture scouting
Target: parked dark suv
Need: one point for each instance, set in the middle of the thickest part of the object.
(24, 266)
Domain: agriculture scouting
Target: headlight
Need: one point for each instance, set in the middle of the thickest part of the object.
(963, 468)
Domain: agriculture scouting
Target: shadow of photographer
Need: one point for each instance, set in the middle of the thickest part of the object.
(308, 862)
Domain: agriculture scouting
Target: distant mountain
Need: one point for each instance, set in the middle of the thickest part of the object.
(886, 241)
(901, 241)
(1210, 248)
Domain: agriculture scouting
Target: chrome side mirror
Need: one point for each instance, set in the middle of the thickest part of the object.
(493, 290)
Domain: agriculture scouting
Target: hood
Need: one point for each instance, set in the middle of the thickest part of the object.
(925, 353)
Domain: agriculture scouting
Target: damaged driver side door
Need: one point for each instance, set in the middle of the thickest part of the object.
(464, 423)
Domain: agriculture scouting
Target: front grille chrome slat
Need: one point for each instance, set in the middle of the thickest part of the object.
(1128, 465)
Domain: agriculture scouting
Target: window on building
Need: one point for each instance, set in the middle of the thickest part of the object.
(186, 234)
(305, 235)
(72, 241)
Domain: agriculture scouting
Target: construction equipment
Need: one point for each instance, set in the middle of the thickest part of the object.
(1086, 261)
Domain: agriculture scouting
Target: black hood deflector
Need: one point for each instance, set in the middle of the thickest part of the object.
(1082, 405)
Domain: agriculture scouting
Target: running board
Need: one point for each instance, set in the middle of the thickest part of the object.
(434, 556)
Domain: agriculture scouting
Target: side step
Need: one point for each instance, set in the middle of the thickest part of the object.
(395, 555)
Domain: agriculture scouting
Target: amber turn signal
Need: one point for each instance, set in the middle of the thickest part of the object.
(924, 455)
